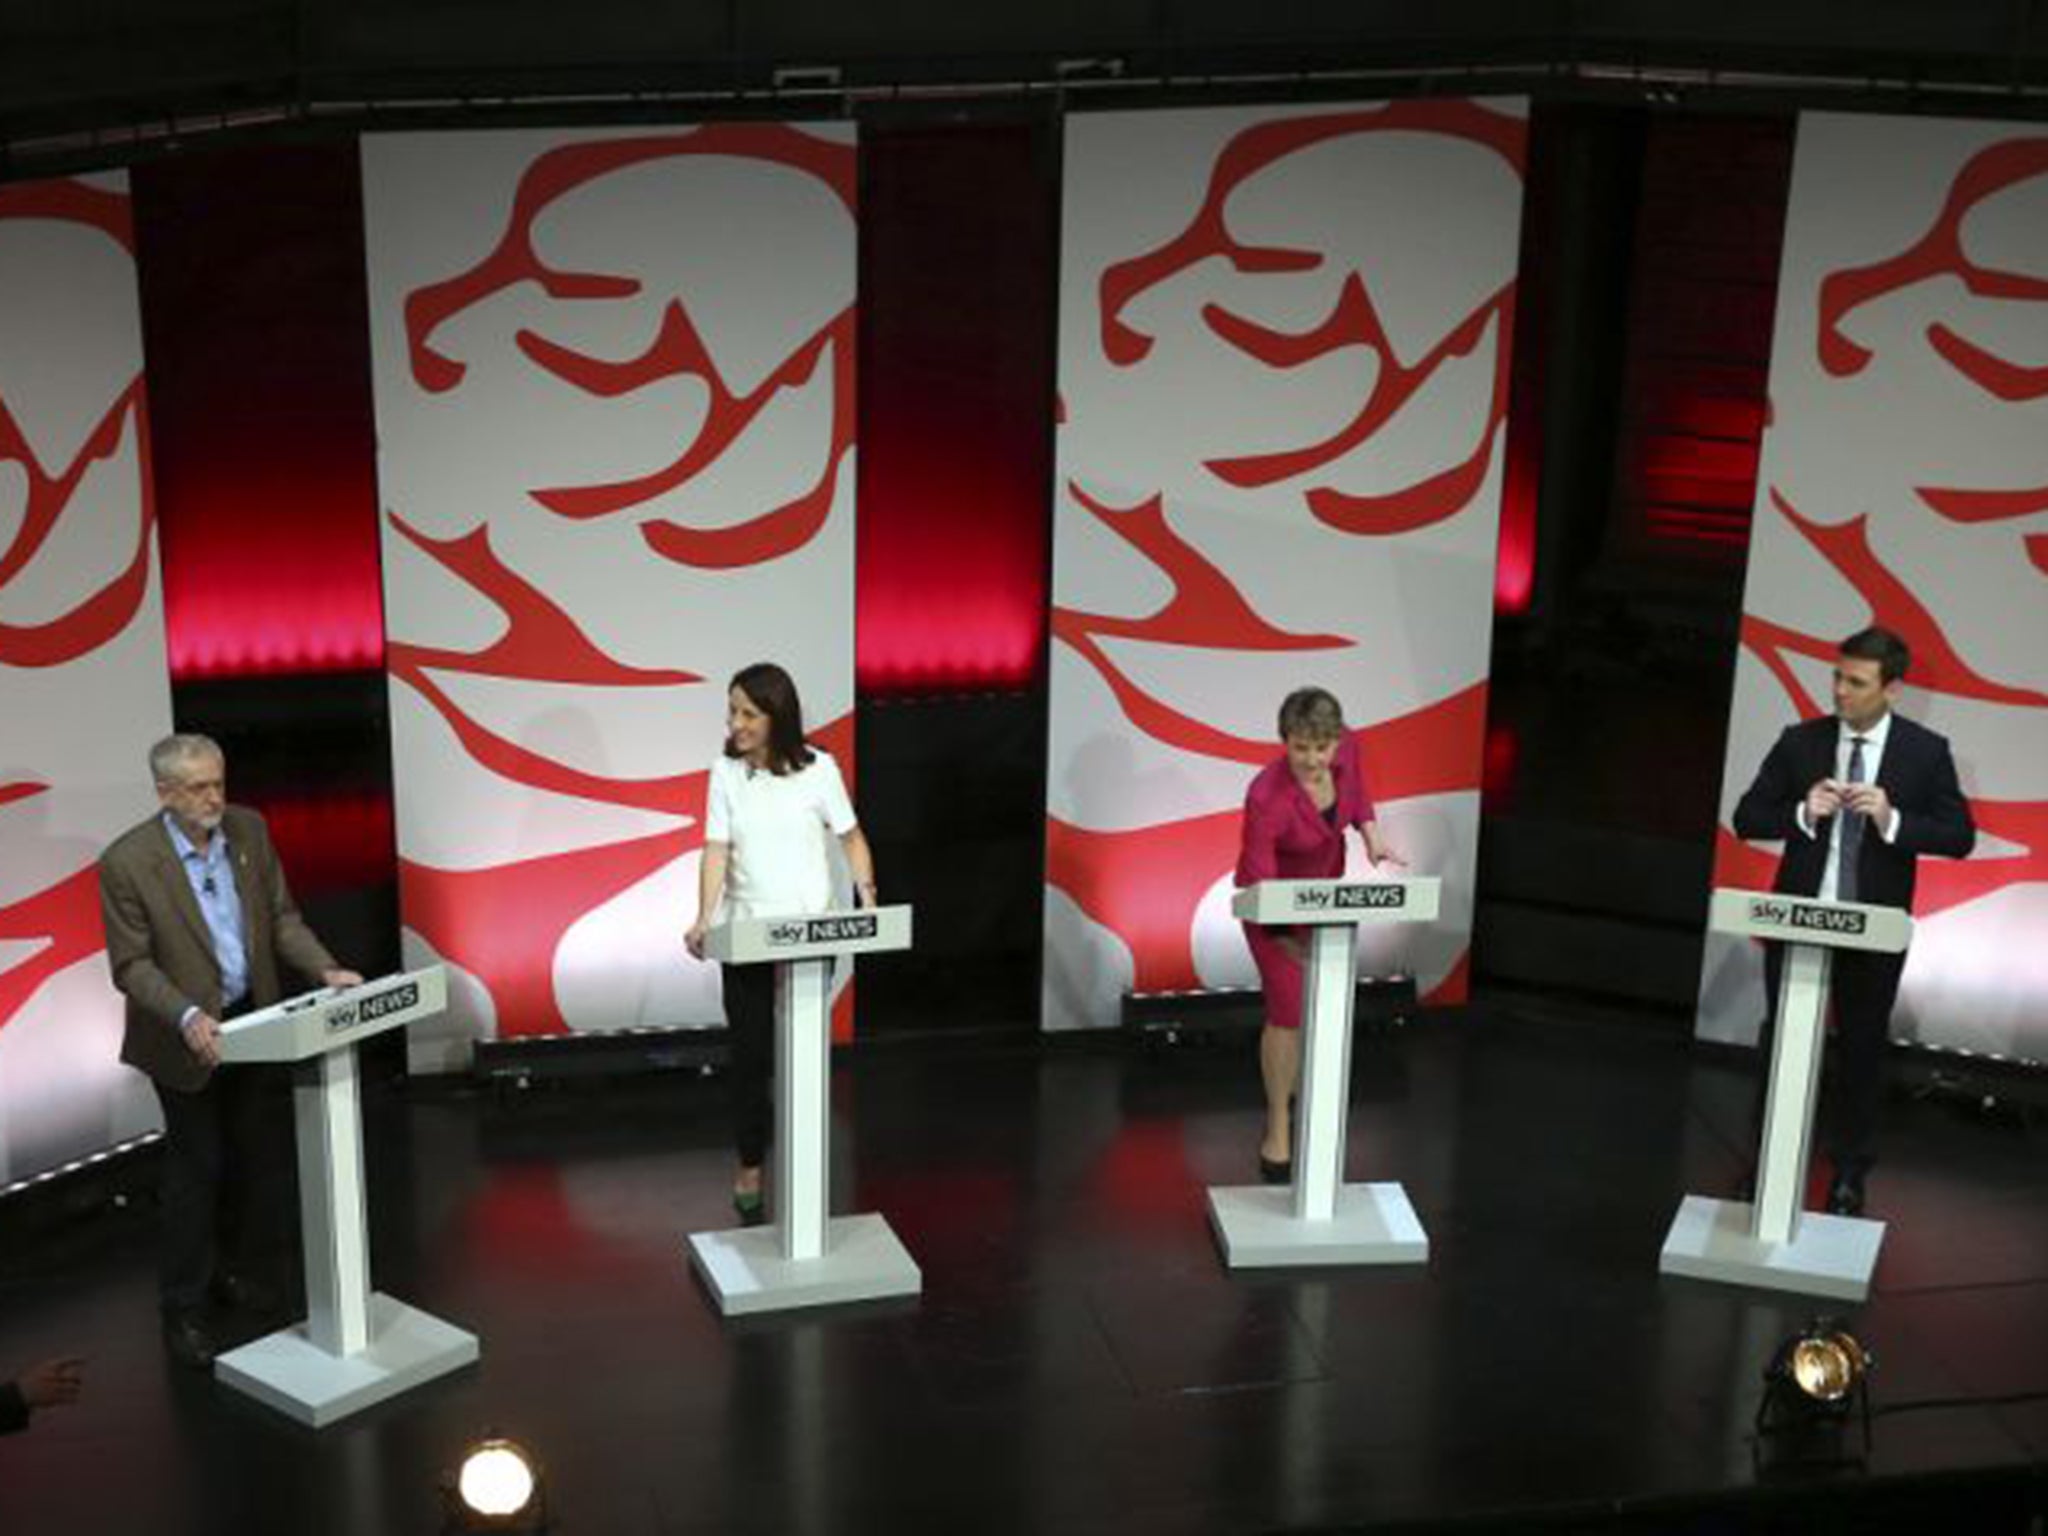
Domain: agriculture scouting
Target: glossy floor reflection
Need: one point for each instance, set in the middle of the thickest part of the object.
(1080, 1361)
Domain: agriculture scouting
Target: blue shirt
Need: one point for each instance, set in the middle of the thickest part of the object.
(213, 886)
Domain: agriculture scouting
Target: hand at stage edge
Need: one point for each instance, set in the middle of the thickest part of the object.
(53, 1383)
(337, 977)
(693, 939)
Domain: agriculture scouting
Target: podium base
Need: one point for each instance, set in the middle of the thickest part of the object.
(1831, 1256)
(746, 1272)
(1374, 1224)
(289, 1372)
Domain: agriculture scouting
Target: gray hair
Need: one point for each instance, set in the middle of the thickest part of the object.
(1311, 712)
(178, 749)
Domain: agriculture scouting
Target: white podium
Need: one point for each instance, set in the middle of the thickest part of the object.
(1771, 1241)
(356, 1347)
(805, 1258)
(1321, 1219)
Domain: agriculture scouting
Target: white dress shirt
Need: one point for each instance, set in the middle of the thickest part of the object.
(1874, 738)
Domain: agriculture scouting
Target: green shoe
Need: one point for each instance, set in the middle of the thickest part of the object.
(751, 1205)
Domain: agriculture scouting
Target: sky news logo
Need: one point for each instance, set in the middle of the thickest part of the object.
(1802, 918)
(378, 1005)
(1350, 898)
(823, 930)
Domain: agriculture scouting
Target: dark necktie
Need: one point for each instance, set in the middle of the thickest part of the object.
(1852, 829)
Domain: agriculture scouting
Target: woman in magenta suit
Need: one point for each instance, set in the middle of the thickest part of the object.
(1295, 814)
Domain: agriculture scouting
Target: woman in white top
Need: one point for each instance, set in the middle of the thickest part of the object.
(774, 803)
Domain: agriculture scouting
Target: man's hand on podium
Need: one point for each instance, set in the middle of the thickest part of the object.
(340, 978)
(202, 1037)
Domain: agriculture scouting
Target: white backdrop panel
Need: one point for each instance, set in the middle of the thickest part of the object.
(84, 683)
(1284, 343)
(1904, 482)
(614, 396)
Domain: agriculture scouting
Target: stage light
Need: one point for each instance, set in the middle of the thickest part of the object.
(1828, 1369)
(1816, 1380)
(497, 1487)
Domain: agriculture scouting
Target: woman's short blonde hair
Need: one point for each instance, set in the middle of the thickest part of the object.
(1311, 712)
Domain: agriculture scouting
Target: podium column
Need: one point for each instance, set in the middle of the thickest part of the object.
(803, 1111)
(356, 1346)
(327, 1113)
(1771, 1240)
(1792, 1094)
(1323, 1220)
(1329, 995)
(808, 1258)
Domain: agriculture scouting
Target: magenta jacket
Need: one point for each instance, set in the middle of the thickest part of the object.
(1285, 838)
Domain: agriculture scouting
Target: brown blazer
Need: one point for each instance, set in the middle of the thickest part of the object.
(161, 952)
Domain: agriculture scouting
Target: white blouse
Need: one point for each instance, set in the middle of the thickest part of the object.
(783, 832)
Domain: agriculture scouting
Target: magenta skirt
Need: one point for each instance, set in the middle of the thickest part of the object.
(1279, 974)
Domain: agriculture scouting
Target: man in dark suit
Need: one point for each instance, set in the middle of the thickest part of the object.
(1856, 798)
(201, 928)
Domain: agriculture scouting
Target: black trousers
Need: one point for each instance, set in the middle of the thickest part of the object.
(749, 992)
(1862, 989)
(229, 1175)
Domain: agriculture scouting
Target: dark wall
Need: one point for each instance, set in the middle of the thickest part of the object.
(959, 255)
(1660, 235)
(123, 63)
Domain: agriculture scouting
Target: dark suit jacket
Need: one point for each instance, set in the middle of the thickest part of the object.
(1917, 771)
(161, 952)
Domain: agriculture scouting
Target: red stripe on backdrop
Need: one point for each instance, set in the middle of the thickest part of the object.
(255, 330)
(60, 924)
(957, 270)
(64, 921)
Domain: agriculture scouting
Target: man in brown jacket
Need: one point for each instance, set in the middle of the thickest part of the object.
(201, 928)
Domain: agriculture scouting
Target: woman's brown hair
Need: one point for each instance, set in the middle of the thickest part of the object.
(772, 692)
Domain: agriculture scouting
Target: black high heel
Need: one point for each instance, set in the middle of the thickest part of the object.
(1271, 1172)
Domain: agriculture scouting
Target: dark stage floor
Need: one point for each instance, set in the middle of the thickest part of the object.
(1080, 1361)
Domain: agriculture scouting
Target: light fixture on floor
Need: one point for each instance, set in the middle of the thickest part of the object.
(496, 1487)
(1815, 1382)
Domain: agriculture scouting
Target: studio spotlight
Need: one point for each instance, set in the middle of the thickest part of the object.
(1815, 1382)
(496, 1487)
